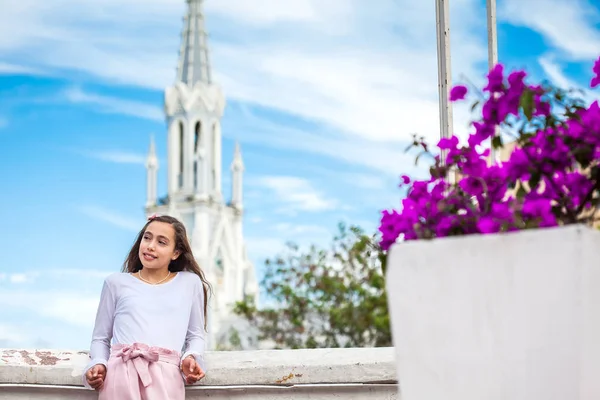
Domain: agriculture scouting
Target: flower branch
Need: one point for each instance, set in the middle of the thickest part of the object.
(550, 177)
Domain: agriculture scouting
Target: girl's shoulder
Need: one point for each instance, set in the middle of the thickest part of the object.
(117, 278)
(190, 280)
(189, 276)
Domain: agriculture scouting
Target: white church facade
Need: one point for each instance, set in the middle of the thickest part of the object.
(194, 107)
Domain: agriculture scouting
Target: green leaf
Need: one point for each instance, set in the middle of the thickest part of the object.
(521, 192)
(497, 142)
(534, 180)
(527, 103)
(419, 156)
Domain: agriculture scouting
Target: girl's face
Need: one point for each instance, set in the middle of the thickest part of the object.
(157, 248)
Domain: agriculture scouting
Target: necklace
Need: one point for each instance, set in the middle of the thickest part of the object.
(154, 283)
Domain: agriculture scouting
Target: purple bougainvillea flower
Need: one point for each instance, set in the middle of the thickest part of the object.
(551, 175)
(596, 78)
(458, 92)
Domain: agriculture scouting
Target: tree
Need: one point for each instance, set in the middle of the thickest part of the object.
(324, 298)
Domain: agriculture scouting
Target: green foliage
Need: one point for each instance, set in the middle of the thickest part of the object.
(325, 298)
(230, 341)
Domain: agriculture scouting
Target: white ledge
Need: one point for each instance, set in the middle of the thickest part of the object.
(244, 369)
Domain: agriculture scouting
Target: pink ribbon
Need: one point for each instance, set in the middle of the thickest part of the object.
(141, 358)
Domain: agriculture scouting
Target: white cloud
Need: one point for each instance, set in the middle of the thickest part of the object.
(14, 278)
(108, 216)
(296, 194)
(114, 105)
(364, 180)
(12, 336)
(49, 307)
(265, 12)
(296, 230)
(365, 70)
(18, 278)
(361, 93)
(61, 273)
(273, 243)
(115, 156)
(50, 295)
(370, 83)
(384, 157)
(71, 307)
(52, 275)
(568, 25)
(555, 73)
(118, 157)
(261, 248)
(371, 178)
(11, 69)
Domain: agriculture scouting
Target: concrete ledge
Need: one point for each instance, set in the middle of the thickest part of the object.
(262, 374)
(317, 392)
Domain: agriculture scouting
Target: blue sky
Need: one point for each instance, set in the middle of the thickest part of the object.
(322, 96)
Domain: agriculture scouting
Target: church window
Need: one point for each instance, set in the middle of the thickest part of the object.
(197, 136)
(197, 144)
(181, 147)
(215, 150)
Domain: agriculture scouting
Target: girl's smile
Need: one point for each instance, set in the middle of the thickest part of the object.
(149, 257)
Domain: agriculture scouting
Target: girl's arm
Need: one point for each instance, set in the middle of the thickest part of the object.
(195, 337)
(103, 328)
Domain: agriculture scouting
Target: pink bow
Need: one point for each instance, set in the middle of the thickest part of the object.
(141, 357)
(150, 218)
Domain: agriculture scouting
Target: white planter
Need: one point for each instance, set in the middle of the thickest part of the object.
(512, 316)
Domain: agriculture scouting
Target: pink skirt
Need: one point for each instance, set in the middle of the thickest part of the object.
(140, 372)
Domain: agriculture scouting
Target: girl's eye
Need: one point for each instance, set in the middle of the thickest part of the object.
(163, 242)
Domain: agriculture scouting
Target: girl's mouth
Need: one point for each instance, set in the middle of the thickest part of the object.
(149, 257)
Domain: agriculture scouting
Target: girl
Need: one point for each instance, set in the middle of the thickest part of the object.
(154, 308)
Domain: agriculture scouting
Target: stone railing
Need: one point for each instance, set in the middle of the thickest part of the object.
(356, 373)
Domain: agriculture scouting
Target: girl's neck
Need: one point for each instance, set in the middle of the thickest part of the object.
(154, 275)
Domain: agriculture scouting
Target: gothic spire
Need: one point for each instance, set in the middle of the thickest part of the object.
(237, 158)
(194, 64)
(151, 175)
(237, 169)
(152, 160)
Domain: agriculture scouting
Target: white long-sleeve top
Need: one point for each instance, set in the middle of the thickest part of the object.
(169, 315)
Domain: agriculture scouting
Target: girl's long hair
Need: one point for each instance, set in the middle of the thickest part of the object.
(185, 261)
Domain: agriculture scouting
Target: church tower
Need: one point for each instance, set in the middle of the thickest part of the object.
(194, 107)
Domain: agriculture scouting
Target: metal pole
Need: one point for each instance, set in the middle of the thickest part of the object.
(492, 51)
(442, 14)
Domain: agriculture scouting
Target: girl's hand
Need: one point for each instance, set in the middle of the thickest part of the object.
(95, 376)
(192, 371)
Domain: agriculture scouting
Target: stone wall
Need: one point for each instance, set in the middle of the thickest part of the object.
(356, 373)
